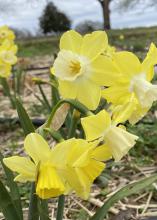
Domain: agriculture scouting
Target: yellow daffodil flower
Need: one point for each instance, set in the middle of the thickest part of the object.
(121, 37)
(79, 163)
(5, 69)
(6, 33)
(41, 170)
(132, 85)
(8, 52)
(117, 139)
(70, 166)
(79, 66)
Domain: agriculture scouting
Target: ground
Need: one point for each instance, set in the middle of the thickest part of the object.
(36, 56)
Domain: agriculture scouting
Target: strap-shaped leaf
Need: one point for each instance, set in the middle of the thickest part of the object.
(6, 204)
(25, 121)
(125, 191)
(14, 192)
(28, 127)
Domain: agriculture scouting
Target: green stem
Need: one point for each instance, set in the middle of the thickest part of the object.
(77, 105)
(33, 206)
(54, 90)
(73, 124)
(43, 210)
(60, 209)
(7, 92)
(44, 97)
(55, 134)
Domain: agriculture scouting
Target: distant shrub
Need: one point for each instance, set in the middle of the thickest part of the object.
(52, 20)
(88, 26)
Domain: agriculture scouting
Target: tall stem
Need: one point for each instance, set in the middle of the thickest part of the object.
(77, 105)
(33, 206)
(60, 209)
(73, 125)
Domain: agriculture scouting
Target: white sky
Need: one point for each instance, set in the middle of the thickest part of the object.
(25, 14)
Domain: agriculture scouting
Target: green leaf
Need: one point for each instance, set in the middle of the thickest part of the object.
(25, 121)
(125, 191)
(6, 204)
(28, 127)
(6, 90)
(14, 192)
(45, 100)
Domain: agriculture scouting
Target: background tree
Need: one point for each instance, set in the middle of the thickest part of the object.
(122, 5)
(88, 26)
(52, 20)
(106, 13)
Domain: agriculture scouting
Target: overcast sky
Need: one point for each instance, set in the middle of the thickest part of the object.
(25, 14)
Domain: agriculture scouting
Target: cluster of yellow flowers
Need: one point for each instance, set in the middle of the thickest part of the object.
(88, 69)
(8, 51)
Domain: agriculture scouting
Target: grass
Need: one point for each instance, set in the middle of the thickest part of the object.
(37, 46)
(135, 39)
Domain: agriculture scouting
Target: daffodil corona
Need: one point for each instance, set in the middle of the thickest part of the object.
(79, 66)
(117, 139)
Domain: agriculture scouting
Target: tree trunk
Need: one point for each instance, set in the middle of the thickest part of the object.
(106, 12)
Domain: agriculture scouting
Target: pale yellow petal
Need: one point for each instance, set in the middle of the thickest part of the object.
(95, 125)
(21, 165)
(89, 94)
(119, 141)
(24, 178)
(5, 70)
(149, 62)
(94, 44)
(71, 40)
(86, 176)
(81, 179)
(72, 152)
(102, 153)
(117, 94)
(84, 90)
(104, 71)
(61, 151)
(138, 114)
(68, 89)
(37, 148)
(122, 113)
(128, 63)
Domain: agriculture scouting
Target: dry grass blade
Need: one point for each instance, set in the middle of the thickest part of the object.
(83, 207)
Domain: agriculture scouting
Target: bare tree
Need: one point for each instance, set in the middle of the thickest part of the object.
(122, 5)
(106, 13)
